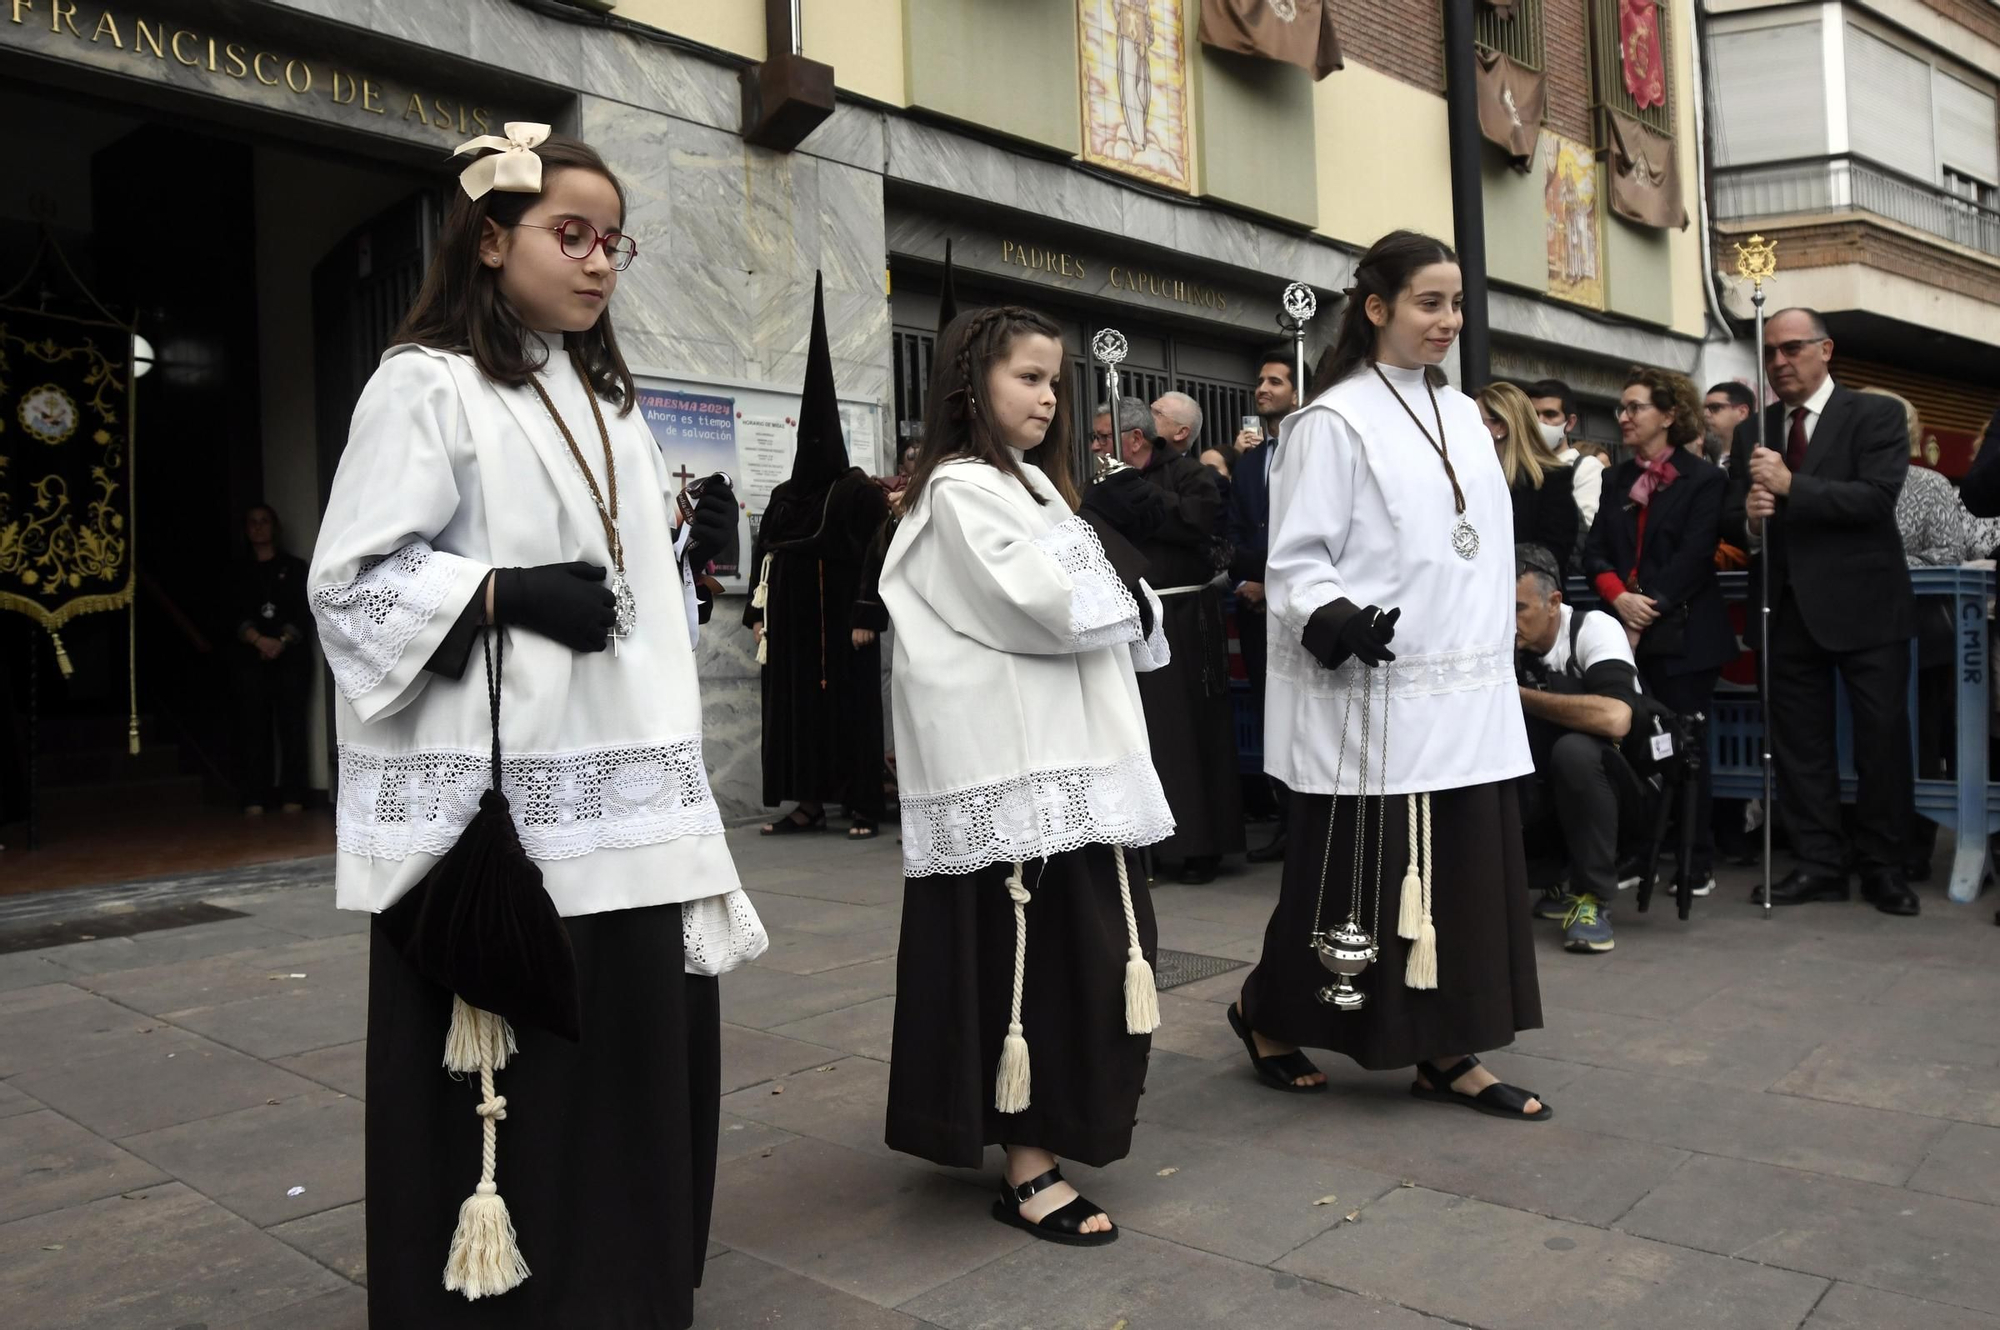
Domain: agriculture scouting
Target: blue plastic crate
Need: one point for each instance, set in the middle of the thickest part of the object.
(1249, 729)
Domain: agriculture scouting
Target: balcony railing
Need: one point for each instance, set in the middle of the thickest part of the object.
(1853, 184)
(1519, 35)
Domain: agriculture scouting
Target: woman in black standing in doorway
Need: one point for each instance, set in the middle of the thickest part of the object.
(272, 659)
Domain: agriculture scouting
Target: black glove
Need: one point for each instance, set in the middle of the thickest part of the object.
(714, 522)
(1128, 502)
(1337, 630)
(564, 602)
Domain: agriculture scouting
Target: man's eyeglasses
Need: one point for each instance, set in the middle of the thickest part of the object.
(1790, 350)
(579, 237)
(1102, 436)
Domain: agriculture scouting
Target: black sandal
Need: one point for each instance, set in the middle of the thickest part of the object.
(1063, 1225)
(788, 825)
(1281, 1071)
(1498, 1100)
(862, 830)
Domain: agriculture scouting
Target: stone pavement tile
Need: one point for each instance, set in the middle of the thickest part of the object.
(1196, 1029)
(1852, 1307)
(812, 953)
(307, 914)
(1243, 905)
(166, 947)
(1146, 1283)
(761, 997)
(1500, 1269)
(1222, 988)
(1965, 1163)
(345, 1310)
(1166, 1069)
(866, 1028)
(13, 1101)
(57, 1023)
(1947, 986)
(1863, 1143)
(48, 1162)
(208, 981)
(1877, 1077)
(1752, 1059)
(1886, 1237)
(845, 1105)
(167, 1257)
(308, 953)
(740, 1290)
(1963, 941)
(1243, 1202)
(737, 1137)
(1555, 1168)
(1937, 1031)
(751, 1057)
(894, 1232)
(1231, 1105)
(784, 913)
(174, 1077)
(29, 969)
(1206, 938)
(344, 1067)
(296, 1016)
(335, 1238)
(250, 1160)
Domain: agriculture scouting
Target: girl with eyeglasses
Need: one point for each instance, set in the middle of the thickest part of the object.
(497, 477)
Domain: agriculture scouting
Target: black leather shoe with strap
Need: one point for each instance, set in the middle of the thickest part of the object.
(1063, 1225)
(1499, 1099)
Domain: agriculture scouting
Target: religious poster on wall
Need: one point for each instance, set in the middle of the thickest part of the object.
(1573, 221)
(748, 430)
(65, 467)
(1134, 83)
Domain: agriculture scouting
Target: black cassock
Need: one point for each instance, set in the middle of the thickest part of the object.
(1190, 716)
(822, 694)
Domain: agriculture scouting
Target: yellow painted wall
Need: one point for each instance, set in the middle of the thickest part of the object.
(1517, 239)
(1383, 158)
(1009, 66)
(736, 26)
(863, 41)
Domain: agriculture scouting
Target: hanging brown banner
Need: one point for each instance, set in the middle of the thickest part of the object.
(1645, 175)
(1511, 99)
(65, 466)
(1296, 32)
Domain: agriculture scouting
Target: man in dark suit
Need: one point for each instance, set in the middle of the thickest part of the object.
(1248, 524)
(1821, 506)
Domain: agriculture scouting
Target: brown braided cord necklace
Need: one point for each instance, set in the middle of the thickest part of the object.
(1464, 536)
(626, 608)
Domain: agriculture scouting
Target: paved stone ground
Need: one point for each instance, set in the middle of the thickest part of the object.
(1783, 1124)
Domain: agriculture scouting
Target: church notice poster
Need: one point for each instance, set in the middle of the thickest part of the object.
(749, 430)
(1134, 86)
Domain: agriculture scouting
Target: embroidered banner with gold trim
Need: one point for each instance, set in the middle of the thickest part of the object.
(65, 466)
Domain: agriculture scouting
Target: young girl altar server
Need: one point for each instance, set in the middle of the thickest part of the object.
(1391, 522)
(1025, 997)
(496, 474)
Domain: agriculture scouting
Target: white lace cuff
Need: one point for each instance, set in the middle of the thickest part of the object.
(1102, 612)
(565, 804)
(721, 933)
(1034, 815)
(365, 624)
(1151, 652)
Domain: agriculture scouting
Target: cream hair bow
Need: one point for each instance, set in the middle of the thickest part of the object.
(515, 169)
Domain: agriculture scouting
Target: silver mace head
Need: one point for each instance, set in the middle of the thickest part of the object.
(1300, 302)
(1345, 951)
(1109, 346)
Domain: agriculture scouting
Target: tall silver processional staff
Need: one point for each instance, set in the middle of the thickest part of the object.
(1300, 305)
(1757, 260)
(1109, 349)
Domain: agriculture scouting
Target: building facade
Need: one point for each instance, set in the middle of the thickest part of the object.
(1863, 139)
(259, 183)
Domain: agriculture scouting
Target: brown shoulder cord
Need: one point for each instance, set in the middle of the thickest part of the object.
(607, 514)
(1437, 444)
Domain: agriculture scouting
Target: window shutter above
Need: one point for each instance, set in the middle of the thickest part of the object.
(1889, 105)
(1770, 94)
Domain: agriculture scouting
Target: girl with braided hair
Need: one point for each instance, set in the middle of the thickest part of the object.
(1025, 998)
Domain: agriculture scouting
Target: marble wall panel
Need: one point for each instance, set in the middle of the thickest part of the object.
(508, 36)
(856, 136)
(1526, 319)
(658, 78)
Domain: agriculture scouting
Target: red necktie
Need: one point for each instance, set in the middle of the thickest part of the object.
(1795, 444)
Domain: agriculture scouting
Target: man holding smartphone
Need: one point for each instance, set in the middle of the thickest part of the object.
(1247, 523)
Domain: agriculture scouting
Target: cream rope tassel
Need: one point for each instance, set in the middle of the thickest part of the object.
(760, 599)
(1142, 995)
(1422, 971)
(1010, 1086)
(1410, 917)
(485, 1259)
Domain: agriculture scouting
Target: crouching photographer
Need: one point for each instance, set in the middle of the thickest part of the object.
(1578, 684)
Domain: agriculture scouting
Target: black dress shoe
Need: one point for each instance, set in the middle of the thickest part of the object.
(1269, 854)
(1888, 892)
(1199, 870)
(1797, 887)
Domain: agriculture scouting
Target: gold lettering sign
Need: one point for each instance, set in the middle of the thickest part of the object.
(297, 75)
(1036, 259)
(1168, 288)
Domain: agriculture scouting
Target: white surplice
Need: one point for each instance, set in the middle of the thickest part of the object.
(1019, 732)
(1361, 509)
(447, 475)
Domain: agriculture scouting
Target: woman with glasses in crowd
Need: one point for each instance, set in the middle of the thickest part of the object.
(1651, 556)
(1542, 486)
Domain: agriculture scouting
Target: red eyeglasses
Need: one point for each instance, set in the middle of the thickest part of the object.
(579, 237)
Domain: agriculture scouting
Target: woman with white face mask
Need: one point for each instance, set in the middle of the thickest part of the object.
(1541, 483)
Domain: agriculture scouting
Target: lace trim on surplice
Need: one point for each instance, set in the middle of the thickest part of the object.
(1035, 815)
(365, 624)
